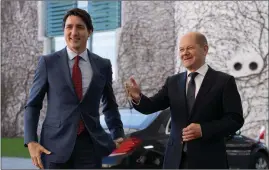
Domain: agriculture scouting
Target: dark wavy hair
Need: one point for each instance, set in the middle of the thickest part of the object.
(84, 15)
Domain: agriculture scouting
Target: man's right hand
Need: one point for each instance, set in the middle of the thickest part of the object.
(35, 150)
(133, 90)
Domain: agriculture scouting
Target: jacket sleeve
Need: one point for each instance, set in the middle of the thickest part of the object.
(34, 103)
(159, 101)
(110, 107)
(232, 119)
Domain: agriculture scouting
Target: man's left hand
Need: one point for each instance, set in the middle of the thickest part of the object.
(118, 142)
(193, 131)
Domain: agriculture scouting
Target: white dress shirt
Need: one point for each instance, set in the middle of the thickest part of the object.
(198, 79)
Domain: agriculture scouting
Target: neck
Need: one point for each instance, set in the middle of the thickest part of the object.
(195, 68)
(78, 51)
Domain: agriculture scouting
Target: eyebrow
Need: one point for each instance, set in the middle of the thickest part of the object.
(186, 47)
(75, 25)
(190, 46)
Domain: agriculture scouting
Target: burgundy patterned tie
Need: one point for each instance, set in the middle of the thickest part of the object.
(77, 80)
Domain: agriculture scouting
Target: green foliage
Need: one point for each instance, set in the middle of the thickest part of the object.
(14, 147)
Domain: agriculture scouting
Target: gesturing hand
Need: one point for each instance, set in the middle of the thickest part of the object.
(193, 131)
(118, 142)
(35, 150)
(132, 89)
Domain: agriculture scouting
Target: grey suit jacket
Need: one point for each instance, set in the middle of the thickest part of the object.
(59, 130)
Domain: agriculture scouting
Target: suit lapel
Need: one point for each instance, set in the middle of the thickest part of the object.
(94, 73)
(182, 92)
(64, 65)
(206, 85)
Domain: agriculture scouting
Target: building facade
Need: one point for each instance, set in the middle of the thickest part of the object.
(144, 45)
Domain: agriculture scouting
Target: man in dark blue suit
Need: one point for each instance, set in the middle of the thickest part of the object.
(75, 80)
(205, 108)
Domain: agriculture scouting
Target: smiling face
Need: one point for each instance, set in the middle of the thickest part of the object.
(192, 51)
(76, 34)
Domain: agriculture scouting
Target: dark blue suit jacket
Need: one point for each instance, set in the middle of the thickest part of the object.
(217, 109)
(59, 130)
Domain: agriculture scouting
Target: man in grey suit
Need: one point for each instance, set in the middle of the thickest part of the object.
(75, 80)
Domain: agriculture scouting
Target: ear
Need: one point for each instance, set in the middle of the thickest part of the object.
(89, 33)
(206, 49)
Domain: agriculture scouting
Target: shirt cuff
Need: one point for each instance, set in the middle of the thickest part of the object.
(137, 103)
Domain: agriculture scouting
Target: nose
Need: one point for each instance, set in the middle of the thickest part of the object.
(184, 52)
(74, 31)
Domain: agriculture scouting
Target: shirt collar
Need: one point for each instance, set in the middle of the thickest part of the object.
(72, 55)
(202, 70)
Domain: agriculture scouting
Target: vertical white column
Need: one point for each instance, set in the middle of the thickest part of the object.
(41, 12)
(266, 135)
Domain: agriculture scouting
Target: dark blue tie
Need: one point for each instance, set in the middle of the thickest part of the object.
(190, 98)
(191, 91)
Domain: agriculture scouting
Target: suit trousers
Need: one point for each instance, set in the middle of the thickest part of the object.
(184, 161)
(82, 157)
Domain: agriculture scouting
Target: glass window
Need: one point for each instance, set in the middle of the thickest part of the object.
(104, 45)
(132, 119)
(83, 5)
(58, 43)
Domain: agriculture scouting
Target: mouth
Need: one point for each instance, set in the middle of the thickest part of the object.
(187, 59)
(74, 39)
